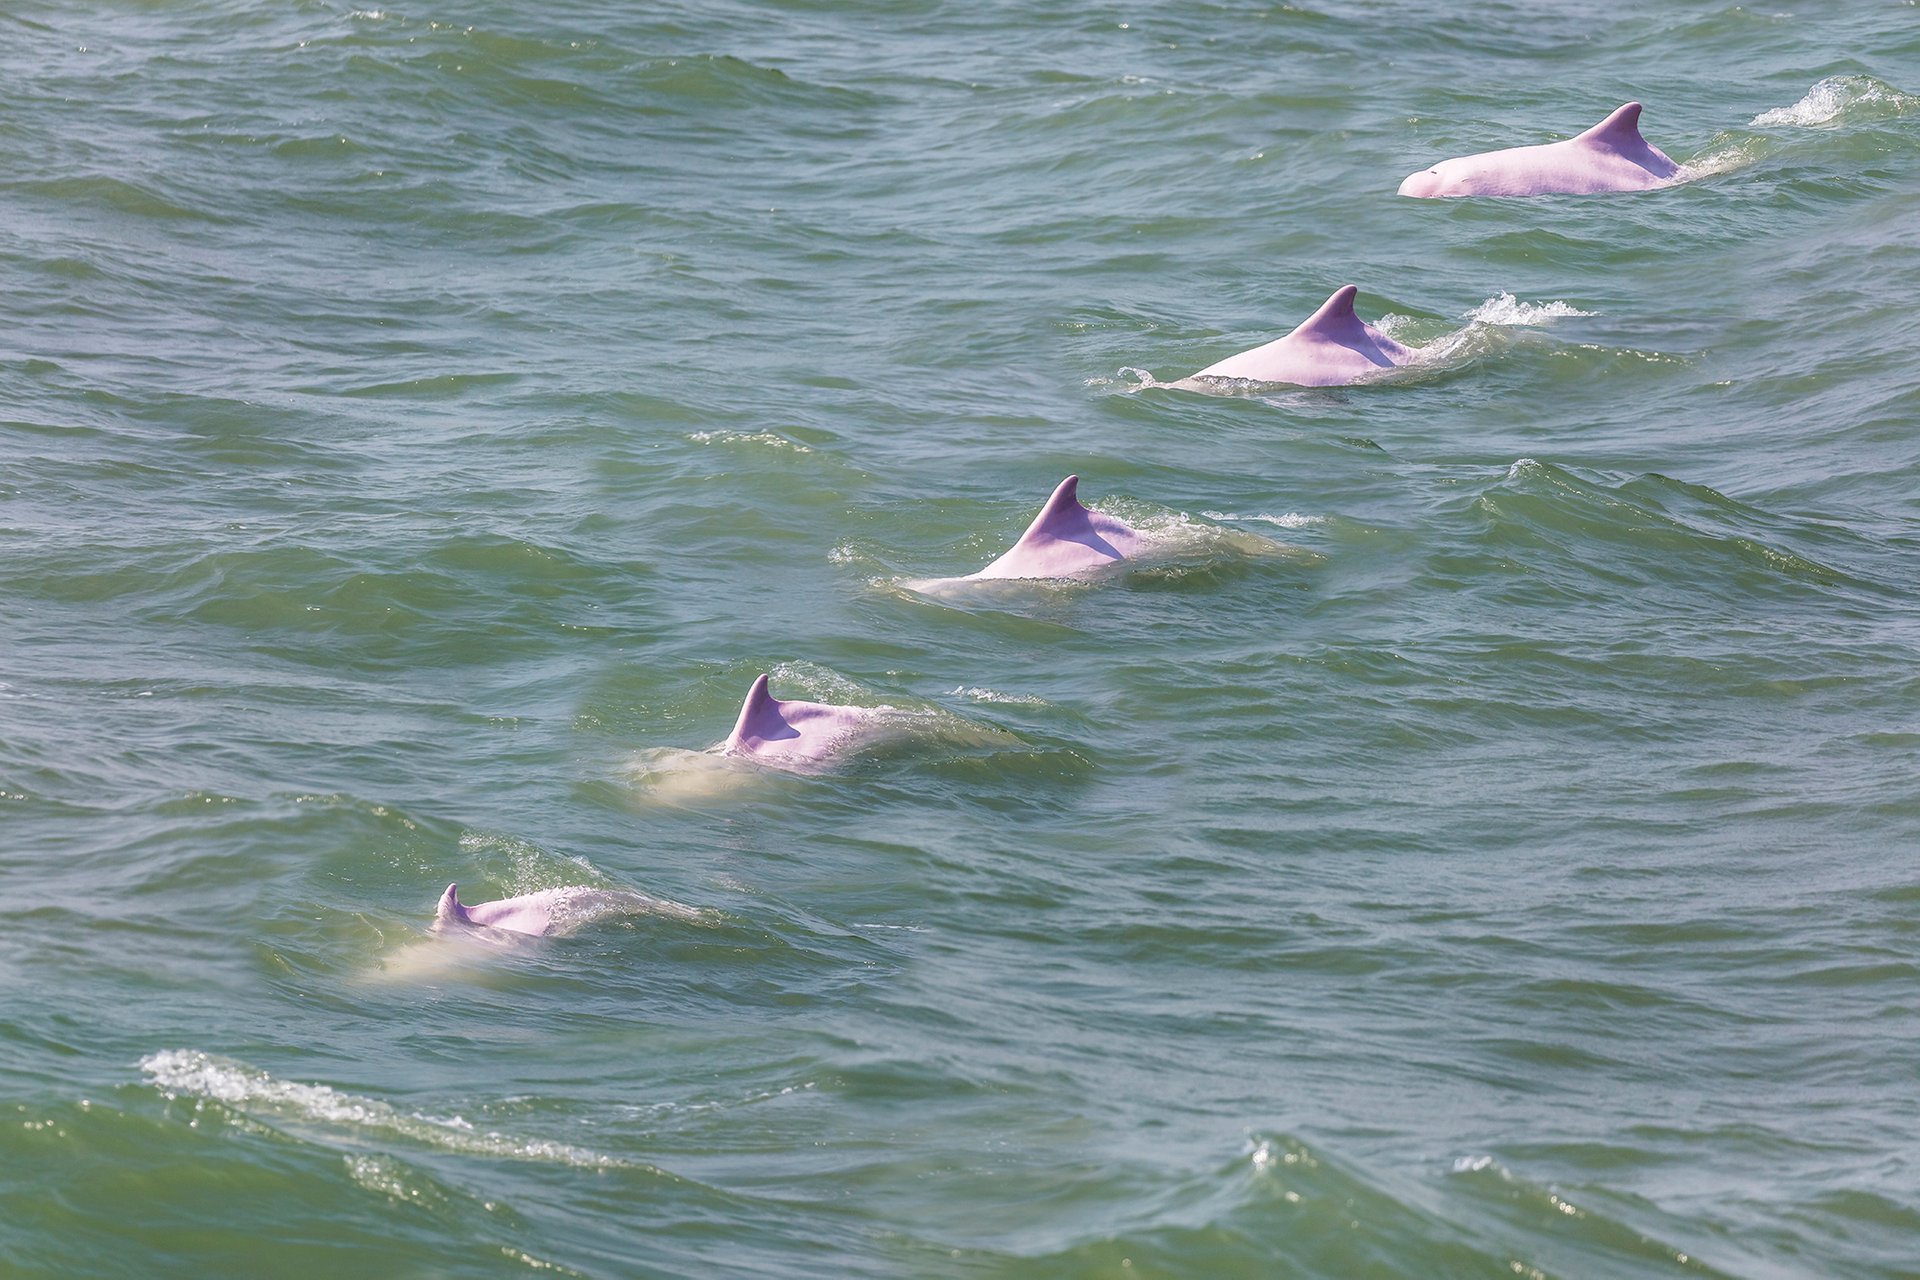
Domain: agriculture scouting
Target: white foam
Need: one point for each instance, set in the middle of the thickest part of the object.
(383, 1175)
(1827, 100)
(1722, 159)
(1128, 372)
(1483, 334)
(994, 695)
(191, 1073)
(1505, 309)
(533, 867)
(766, 438)
(815, 683)
(1291, 520)
(714, 1104)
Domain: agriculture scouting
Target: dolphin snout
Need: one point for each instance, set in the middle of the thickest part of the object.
(1423, 184)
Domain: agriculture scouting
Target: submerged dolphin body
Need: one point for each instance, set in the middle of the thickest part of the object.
(1332, 348)
(1066, 539)
(1611, 156)
(795, 733)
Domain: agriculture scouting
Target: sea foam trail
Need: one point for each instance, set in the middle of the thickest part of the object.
(193, 1074)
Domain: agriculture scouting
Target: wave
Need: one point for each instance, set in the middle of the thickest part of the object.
(1287, 1207)
(1648, 529)
(1832, 103)
(710, 81)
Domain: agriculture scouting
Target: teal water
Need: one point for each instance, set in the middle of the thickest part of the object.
(1487, 849)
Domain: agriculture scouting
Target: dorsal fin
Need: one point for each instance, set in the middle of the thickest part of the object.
(1618, 131)
(450, 911)
(1062, 517)
(759, 714)
(1335, 320)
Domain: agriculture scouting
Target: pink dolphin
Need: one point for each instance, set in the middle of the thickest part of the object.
(1065, 539)
(550, 911)
(529, 913)
(1611, 156)
(793, 732)
(1334, 347)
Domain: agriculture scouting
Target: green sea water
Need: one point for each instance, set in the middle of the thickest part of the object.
(1488, 845)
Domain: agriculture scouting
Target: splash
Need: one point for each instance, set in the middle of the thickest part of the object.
(532, 868)
(1833, 101)
(1505, 309)
(1722, 155)
(1489, 329)
(1834, 97)
(1132, 379)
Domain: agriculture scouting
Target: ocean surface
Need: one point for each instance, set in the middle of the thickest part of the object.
(1486, 842)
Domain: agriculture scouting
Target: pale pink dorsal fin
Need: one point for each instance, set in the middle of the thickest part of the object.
(1062, 517)
(760, 715)
(1335, 321)
(450, 911)
(1619, 131)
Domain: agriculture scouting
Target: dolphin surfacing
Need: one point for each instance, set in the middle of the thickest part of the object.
(547, 913)
(793, 733)
(1066, 539)
(1611, 156)
(1333, 347)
